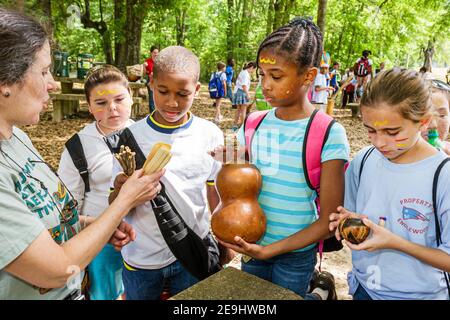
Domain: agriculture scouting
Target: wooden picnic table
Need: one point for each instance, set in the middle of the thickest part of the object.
(68, 102)
(67, 85)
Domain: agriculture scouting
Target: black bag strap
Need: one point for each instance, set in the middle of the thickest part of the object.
(363, 161)
(76, 152)
(436, 217)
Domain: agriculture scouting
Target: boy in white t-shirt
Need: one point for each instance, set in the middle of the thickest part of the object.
(320, 92)
(188, 179)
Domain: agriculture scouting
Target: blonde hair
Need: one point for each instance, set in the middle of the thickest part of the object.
(102, 75)
(402, 89)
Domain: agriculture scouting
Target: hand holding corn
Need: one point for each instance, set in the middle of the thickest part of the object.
(157, 159)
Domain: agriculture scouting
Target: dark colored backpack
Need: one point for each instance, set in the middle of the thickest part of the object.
(215, 87)
(362, 67)
(76, 152)
(316, 135)
(434, 196)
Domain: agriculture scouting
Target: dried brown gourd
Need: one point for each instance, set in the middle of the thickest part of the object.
(238, 214)
(353, 230)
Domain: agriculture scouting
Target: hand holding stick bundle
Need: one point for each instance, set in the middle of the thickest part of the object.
(126, 160)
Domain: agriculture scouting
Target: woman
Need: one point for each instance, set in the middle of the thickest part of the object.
(148, 65)
(44, 244)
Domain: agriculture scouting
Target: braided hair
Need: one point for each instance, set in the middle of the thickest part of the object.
(300, 38)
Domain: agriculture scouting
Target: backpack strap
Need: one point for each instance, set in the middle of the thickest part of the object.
(76, 152)
(316, 134)
(436, 217)
(251, 124)
(363, 161)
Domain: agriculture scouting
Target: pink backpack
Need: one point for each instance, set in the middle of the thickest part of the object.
(316, 135)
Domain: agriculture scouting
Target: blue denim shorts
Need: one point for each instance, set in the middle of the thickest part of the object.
(147, 284)
(291, 270)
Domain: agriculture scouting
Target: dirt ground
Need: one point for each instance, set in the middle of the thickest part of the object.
(49, 138)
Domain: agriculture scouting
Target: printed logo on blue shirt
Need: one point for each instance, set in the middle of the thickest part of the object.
(409, 213)
(412, 219)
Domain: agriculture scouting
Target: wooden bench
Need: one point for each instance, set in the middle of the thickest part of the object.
(63, 104)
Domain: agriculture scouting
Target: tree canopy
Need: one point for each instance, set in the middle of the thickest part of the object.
(122, 31)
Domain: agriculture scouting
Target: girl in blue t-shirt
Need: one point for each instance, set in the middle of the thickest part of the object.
(391, 184)
(286, 255)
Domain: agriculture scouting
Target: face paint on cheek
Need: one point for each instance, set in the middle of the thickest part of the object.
(98, 110)
(267, 60)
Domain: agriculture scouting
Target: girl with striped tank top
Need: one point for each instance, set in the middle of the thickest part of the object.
(286, 254)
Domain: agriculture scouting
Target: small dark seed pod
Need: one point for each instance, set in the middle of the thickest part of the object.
(353, 230)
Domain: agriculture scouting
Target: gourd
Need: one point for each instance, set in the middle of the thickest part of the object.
(353, 230)
(238, 213)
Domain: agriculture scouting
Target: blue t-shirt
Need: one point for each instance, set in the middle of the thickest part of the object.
(403, 194)
(285, 197)
(229, 72)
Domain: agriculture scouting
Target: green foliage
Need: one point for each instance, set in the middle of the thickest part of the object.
(395, 31)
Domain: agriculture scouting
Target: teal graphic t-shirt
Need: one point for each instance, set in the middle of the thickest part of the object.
(32, 199)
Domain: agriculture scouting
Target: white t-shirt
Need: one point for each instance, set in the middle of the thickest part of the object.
(321, 96)
(242, 80)
(185, 181)
(100, 163)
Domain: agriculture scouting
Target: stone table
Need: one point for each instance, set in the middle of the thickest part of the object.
(233, 284)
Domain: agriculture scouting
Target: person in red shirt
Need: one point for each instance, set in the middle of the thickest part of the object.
(148, 65)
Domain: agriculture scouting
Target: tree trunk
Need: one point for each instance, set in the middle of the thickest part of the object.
(270, 14)
(278, 7)
(181, 25)
(46, 7)
(289, 6)
(119, 37)
(19, 5)
(136, 11)
(230, 33)
(428, 56)
(243, 30)
(321, 16)
(101, 28)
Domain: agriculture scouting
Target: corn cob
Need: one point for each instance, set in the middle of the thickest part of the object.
(158, 157)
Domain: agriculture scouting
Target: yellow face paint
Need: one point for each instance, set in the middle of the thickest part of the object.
(267, 60)
(98, 110)
(401, 145)
(103, 92)
(380, 123)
